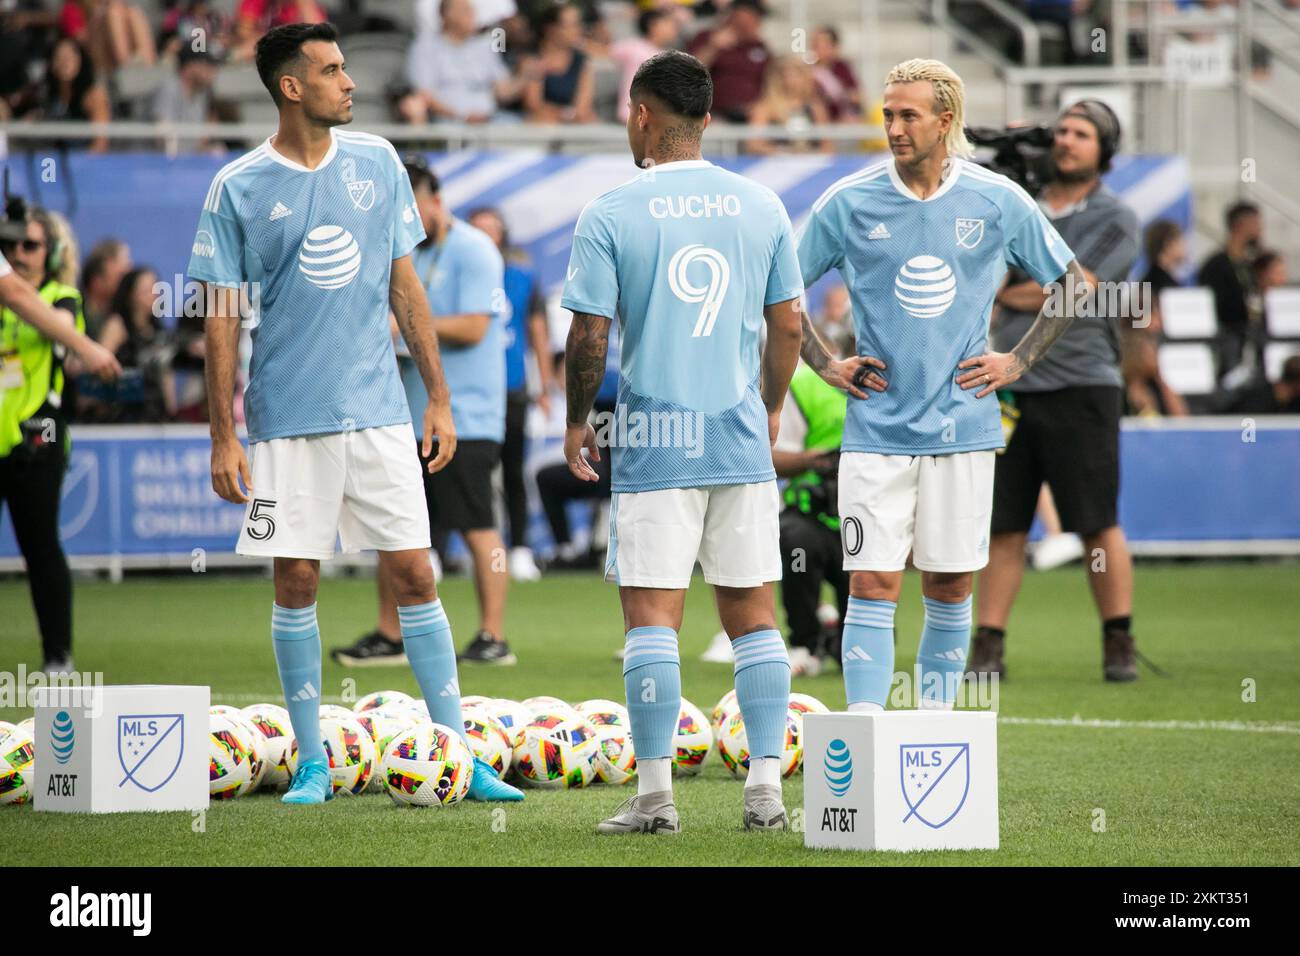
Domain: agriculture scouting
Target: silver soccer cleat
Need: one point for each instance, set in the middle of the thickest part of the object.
(764, 809)
(652, 813)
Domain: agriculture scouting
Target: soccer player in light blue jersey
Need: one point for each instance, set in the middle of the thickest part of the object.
(319, 224)
(923, 241)
(691, 260)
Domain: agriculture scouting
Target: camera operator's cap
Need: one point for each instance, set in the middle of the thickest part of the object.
(1104, 120)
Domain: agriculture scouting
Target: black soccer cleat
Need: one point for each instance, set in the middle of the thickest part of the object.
(370, 650)
(1119, 657)
(986, 652)
(485, 649)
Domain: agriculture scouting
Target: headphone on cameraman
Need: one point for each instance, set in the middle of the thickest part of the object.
(1104, 120)
(16, 211)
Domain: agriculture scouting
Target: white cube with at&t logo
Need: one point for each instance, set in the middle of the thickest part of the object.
(901, 780)
(110, 749)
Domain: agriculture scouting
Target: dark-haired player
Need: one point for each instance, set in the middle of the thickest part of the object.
(320, 225)
(691, 259)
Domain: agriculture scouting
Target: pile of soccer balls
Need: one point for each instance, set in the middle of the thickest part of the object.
(17, 750)
(387, 742)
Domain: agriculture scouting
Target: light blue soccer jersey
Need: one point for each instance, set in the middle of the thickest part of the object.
(922, 275)
(319, 244)
(465, 276)
(686, 256)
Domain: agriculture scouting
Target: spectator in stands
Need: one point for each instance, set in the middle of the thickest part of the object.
(1262, 398)
(255, 17)
(114, 32)
(138, 340)
(487, 13)
(186, 95)
(836, 81)
(1145, 391)
(457, 74)
(737, 59)
(24, 28)
(657, 30)
(1269, 272)
(72, 92)
(790, 102)
(526, 330)
(108, 261)
(1062, 13)
(1166, 251)
(559, 84)
(1228, 275)
(194, 25)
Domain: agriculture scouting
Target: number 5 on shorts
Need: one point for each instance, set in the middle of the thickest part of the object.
(260, 523)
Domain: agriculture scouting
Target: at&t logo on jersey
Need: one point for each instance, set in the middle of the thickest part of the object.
(330, 258)
(925, 287)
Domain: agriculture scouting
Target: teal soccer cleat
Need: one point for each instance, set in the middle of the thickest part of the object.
(311, 784)
(487, 786)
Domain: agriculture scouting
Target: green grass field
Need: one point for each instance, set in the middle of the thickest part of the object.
(1227, 792)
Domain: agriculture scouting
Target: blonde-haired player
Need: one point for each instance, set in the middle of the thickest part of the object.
(922, 241)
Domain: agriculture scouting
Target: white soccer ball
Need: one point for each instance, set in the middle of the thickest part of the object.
(807, 704)
(488, 740)
(427, 765)
(547, 705)
(381, 698)
(17, 751)
(258, 748)
(349, 751)
(693, 740)
(473, 700)
(723, 709)
(6, 726)
(225, 709)
(337, 711)
(616, 758)
(557, 750)
(733, 745)
(233, 763)
(272, 721)
(513, 715)
(28, 724)
(382, 725)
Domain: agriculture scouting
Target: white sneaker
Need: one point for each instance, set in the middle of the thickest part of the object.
(803, 663)
(435, 562)
(522, 565)
(1055, 550)
(719, 650)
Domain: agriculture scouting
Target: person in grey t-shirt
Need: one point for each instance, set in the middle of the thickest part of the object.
(1066, 409)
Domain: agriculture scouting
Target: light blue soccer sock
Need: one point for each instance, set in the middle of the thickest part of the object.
(941, 658)
(652, 680)
(426, 635)
(763, 693)
(867, 653)
(296, 639)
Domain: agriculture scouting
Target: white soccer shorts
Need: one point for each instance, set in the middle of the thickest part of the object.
(363, 487)
(938, 507)
(655, 537)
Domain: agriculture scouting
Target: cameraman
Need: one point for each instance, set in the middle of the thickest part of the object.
(1067, 407)
(40, 322)
(807, 452)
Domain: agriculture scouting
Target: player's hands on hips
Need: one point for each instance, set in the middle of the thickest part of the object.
(576, 438)
(229, 466)
(855, 373)
(989, 372)
(438, 424)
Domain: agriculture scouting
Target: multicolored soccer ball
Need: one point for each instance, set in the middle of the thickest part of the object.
(28, 724)
(557, 750)
(226, 709)
(348, 749)
(722, 710)
(807, 704)
(473, 700)
(336, 711)
(381, 698)
(733, 745)
(616, 758)
(488, 739)
(693, 741)
(427, 765)
(233, 763)
(382, 725)
(547, 705)
(272, 721)
(513, 715)
(17, 751)
(258, 747)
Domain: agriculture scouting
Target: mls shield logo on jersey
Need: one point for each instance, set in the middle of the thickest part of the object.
(925, 287)
(969, 232)
(935, 779)
(149, 748)
(362, 192)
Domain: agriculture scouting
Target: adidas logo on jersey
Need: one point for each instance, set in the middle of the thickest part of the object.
(280, 211)
(880, 232)
(305, 692)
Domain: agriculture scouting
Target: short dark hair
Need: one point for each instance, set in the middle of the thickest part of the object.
(420, 173)
(1291, 371)
(648, 19)
(678, 81)
(1239, 211)
(280, 51)
(1159, 234)
(101, 254)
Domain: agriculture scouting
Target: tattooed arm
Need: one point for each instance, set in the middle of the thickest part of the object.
(584, 369)
(411, 309)
(848, 374)
(994, 370)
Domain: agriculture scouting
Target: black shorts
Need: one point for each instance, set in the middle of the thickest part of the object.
(1068, 438)
(460, 496)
